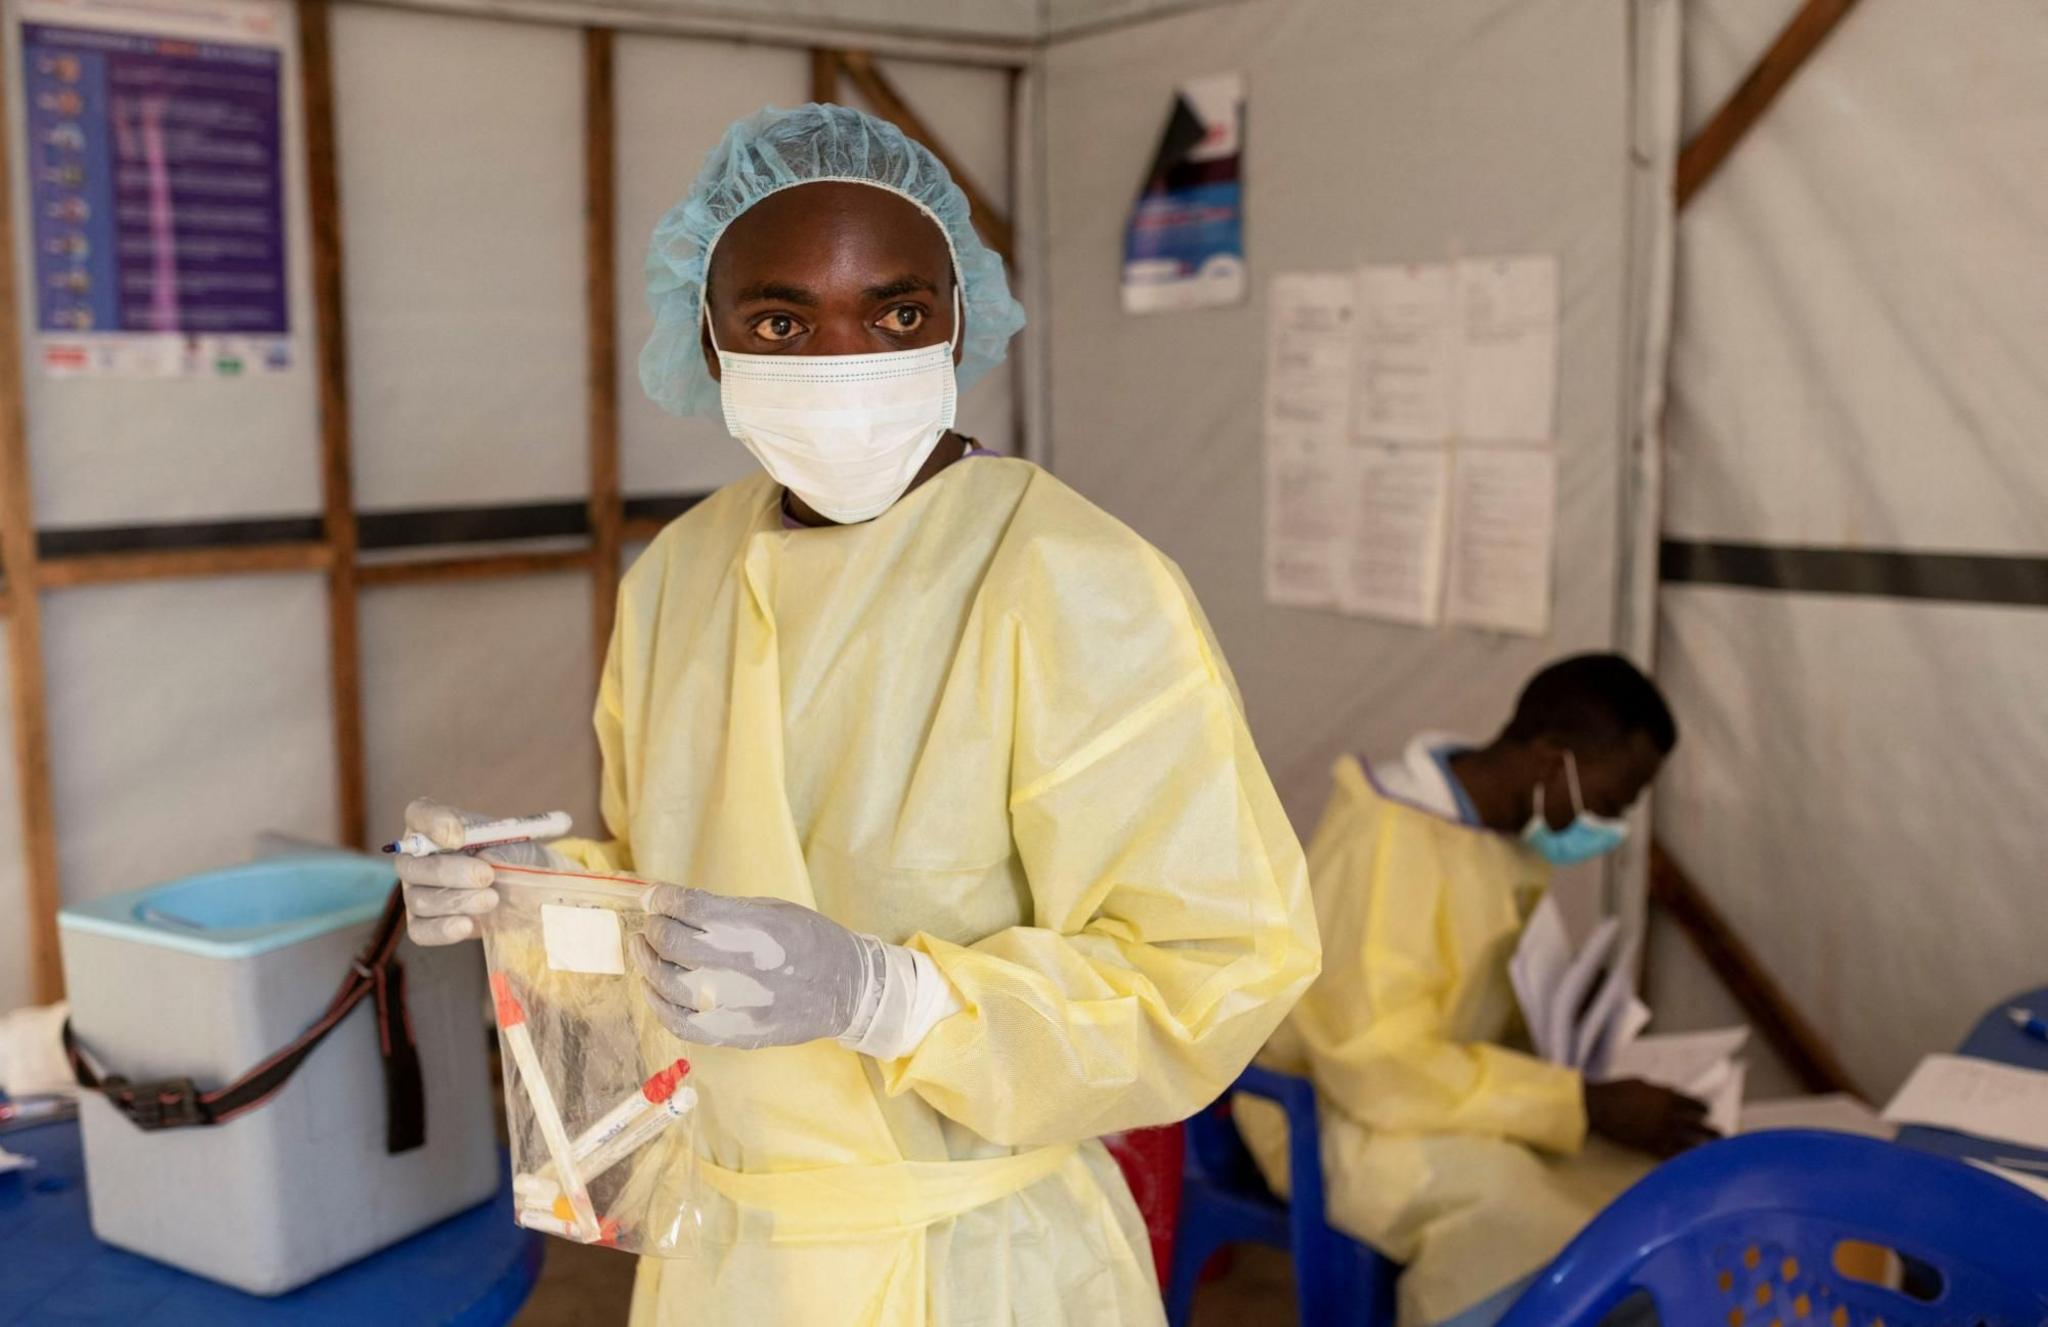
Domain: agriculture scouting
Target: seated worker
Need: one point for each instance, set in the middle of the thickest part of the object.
(1463, 1159)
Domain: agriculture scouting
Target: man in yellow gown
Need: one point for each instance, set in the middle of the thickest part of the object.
(973, 858)
(1453, 1154)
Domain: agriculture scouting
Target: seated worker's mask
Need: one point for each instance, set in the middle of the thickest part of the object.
(1587, 837)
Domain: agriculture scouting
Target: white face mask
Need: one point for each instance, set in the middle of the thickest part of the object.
(846, 433)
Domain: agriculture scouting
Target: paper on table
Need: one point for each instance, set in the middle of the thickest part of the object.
(1569, 995)
(2034, 1184)
(1611, 1004)
(1680, 1060)
(1308, 411)
(1407, 342)
(1975, 1096)
(1507, 365)
(1836, 1112)
(1393, 556)
(1619, 1032)
(1503, 521)
(1538, 964)
(1724, 1106)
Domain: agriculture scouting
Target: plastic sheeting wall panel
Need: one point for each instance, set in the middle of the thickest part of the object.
(15, 988)
(186, 717)
(969, 108)
(674, 100)
(461, 145)
(1858, 788)
(1375, 132)
(480, 695)
(135, 451)
(1861, 349)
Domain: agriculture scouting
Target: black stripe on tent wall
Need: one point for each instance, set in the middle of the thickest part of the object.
(1956, 578)
(375, 530)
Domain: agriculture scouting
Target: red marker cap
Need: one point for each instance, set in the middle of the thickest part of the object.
(510, 1012)
(663, 1085)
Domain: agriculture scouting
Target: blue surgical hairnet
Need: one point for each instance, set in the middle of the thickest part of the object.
(773, 150)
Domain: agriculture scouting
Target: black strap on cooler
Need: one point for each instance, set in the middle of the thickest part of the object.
(173, 1103)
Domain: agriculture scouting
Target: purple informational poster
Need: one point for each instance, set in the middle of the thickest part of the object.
(156, 179)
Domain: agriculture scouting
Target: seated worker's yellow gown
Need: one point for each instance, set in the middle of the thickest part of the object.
(990, 724)
(1462, 1159)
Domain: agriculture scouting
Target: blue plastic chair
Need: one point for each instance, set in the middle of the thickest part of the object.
(1224, 1201)
(1745, 1231)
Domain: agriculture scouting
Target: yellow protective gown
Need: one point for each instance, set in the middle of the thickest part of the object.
(992, 725)
(1462, 1159)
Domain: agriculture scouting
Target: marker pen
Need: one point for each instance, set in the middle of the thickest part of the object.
(512, 1021)
(2029, 1022)
(490, 834)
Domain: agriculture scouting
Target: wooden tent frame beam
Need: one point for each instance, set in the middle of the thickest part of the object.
(24, 620)
(1722, 133)
(828, 66)
(1795, 1040)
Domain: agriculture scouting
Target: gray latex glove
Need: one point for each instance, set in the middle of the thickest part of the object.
(446, 894)
(753, 972)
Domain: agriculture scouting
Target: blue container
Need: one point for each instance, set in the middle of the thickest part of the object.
(208, 976)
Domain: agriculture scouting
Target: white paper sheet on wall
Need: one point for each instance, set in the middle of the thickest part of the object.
(1397, 500)
(1503, 529)
(1308, 419)
(1407, 342)
(1507, 358)
(1308, 353)
(1305, 517)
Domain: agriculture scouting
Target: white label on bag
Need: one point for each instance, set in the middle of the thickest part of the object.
(582, 939)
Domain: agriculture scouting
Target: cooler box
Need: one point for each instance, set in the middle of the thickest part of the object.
(207, 977)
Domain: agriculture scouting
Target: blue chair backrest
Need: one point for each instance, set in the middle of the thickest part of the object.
(1745, 1233)
(1216, 1152)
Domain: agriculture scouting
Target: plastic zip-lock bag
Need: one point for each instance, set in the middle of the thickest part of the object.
(603, 1141)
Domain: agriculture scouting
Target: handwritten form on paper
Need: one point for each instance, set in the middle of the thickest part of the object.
(1507, 372)
(1407, 344)
(1503, 528)
(1973, 1096)
(1308, 422)
(1393, 558)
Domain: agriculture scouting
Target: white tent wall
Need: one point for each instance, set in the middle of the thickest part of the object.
(187, 716)
(1860, 362)
(461, 161)
(1374, 133)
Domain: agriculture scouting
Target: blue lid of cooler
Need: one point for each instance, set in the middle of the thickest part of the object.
(242, 911)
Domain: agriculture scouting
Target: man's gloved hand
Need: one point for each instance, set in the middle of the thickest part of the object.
(1647, 1117)
(751, 972)
(446, 894)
